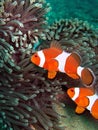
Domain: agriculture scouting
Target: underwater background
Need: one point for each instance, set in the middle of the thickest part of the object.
(85, 10)
(28, 99)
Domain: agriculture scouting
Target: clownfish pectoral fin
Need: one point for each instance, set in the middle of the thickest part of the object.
(79, 110)
(87, 76)
(82, 101)
(52, 68)
(52, 65)
(51, 74)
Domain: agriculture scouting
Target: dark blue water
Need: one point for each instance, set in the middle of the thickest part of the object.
(86, 10)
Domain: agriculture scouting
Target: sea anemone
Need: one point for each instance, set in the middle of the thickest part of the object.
(8, 68)
(26, 95)
(28, 102)
(26, 98)
(79, 36)
(22, 22)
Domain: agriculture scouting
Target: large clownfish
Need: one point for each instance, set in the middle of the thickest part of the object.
(54, 59)
(85, 98)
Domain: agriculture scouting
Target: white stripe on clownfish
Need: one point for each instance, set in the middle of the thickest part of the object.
(61, 58)
(92, 100)
(42, 58)
(79, 70)
(76, 95)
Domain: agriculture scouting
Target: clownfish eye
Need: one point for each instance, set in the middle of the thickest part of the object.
(36, 55)
(72, 90)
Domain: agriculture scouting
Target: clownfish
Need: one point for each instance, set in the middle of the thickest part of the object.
(54, 59)
(85, 98)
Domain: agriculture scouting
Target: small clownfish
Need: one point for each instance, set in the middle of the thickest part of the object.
(54, 59)
(85, 98)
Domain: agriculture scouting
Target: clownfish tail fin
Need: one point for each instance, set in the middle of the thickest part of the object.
(88, 77)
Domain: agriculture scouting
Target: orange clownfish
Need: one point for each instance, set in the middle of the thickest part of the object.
(85, 98)
(54, 59)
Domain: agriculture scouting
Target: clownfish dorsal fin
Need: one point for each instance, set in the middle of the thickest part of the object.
(55, 44)
(77, 57)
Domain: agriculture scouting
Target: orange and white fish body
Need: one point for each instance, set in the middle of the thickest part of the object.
(85, 98)
(54, 59)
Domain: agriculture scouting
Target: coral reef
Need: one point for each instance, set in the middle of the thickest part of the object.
(26, 99)
(76, 35)
(26, 95)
